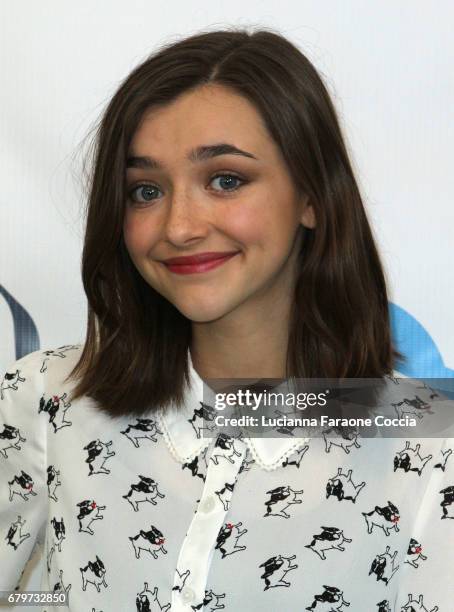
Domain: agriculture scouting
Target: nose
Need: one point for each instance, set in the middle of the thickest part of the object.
(185, 221)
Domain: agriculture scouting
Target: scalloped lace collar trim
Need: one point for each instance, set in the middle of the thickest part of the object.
(184, 445)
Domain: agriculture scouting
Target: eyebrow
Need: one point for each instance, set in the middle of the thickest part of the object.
(198, 154)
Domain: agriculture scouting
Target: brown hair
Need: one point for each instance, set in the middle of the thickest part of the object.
(135, 357)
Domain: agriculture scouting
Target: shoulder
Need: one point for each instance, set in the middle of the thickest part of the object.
(40, 369)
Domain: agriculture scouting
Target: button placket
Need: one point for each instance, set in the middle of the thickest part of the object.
(198, 547)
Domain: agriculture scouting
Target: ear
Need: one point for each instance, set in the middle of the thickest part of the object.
(307, 215)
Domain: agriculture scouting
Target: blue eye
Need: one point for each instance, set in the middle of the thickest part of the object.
(228, 183)
(146, 192)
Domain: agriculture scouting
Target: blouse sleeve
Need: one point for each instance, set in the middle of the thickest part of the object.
(427, 576)
(23, 482)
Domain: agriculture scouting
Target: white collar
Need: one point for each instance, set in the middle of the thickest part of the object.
(182, 440)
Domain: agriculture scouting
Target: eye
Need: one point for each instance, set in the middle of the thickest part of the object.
(145, 193)
(229, 181)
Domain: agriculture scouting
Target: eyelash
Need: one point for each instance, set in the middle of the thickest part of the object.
(219, 175)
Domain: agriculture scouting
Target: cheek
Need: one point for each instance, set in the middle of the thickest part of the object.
(137, 234)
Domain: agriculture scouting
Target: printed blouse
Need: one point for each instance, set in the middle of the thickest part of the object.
(147, 514)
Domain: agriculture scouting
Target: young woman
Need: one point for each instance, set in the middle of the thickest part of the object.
(225, 238)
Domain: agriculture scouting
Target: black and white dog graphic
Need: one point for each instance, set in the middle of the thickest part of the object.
(345, 442)
(53, 407)
(276, 569)
(296, 457)
(10, 380)
(15, 537)
(146, 490)
(343, 487)
(282, 498)
(211, 599)
(147, 601)
(59, 536)
(53, 482)
(95, 573)
(331, 600)
(416, 605)
(448, 502)
(385, 517)
(98, 453)
(225, 443)
(89, 511)
(21, 485)
(144, 428)
(152, 541)
(10, 437)
(414, 553)
(383, 566)
(203, 419)
(227, 540)
(331, 538)
(410, 459)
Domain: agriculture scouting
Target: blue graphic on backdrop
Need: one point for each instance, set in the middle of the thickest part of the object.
(424, 360)
(26, 337)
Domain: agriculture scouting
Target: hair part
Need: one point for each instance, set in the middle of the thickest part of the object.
(135, 356)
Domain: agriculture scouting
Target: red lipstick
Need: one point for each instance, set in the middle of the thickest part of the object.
(201, 262)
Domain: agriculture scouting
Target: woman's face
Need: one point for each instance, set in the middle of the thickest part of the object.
(217, 201)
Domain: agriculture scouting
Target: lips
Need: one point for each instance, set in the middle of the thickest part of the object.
(202, 262)
(198, 258)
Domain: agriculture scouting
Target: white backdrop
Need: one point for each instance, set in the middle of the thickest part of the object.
(387, 65)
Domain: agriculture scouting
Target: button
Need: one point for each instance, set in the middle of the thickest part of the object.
(187, 594)
(208, 504)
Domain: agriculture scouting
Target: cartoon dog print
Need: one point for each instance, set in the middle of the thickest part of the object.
(59, 352)
(343, 487)
(60, 535)
(180, 580)
(144, 428)
(331, 600)
(444, 458)
(95, 573)
(227, 540)
(410, 459)
(10, 437)
(211, 599)
(448, 502)
(53, 482)
(226, 443)
(203, 419)
(247, 462)
(146, 490)
(415, 407)
(383, 606)
(15, 537)
(347, 441)
(89, 511)
(416, 605)
(383, 566)
(276, 568)
(21, 485)
(225, 494)
(147, 601)
(59, 587)
(10, 380)
(297, 457)
(152, 541)
(98, 454)
(385, 517)
(198, 466)
(282, 498)
(53, 408)
(331, 538)
(414, 553)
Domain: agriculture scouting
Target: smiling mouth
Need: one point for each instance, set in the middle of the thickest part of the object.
(196, 267)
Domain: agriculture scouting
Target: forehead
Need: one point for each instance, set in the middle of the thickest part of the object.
(208, 114)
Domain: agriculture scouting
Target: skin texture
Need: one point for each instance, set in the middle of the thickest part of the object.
(239, 310)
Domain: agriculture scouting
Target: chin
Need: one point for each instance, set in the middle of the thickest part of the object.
(202, 314)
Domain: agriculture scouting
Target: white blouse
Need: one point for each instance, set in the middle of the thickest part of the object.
(148, 515)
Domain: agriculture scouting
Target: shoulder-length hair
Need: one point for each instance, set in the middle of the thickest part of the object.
(135, 357)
